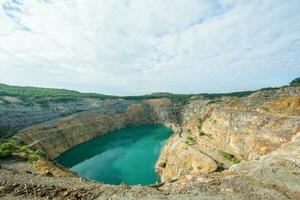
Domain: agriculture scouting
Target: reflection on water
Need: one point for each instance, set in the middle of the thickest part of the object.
(127, 155)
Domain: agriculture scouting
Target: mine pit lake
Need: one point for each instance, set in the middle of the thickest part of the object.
(126, 156)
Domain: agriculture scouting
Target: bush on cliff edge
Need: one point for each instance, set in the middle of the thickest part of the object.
(10, 147)
(295, 82)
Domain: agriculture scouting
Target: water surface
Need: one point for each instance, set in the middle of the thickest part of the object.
(127, 155)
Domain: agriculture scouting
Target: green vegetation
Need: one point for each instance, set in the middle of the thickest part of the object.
(7, 148)
(201, 133)
(176, 98)
(295, 82)
(199, 167)
(214, 101)
(44, 95)
(200, 124)
(220, 167)
(11, 147)
(229, 157)
(185, 98)
(191, 139)
(6, 133)
(231, 94)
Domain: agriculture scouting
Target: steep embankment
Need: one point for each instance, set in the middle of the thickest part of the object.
(262, 131)
(21, 107)
(257, 138)
(57, 136)
(16, 113)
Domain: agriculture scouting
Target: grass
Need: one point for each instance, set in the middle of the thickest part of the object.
(11, 147)
(229, 157)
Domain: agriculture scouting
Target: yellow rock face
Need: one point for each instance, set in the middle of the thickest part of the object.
(178, 159)
(231, 130)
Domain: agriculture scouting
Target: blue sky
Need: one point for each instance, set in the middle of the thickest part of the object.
(129, 47)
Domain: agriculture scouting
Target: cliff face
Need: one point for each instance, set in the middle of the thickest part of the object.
(261, 130)
(16, 113)
(57, 136)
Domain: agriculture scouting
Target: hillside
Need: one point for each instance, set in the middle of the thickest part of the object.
(40, 95)
(22, 106)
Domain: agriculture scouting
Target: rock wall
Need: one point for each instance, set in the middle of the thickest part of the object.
(57, 136)
(218, 134)
(17, 114)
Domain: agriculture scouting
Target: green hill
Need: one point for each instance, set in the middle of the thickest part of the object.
(46, 94)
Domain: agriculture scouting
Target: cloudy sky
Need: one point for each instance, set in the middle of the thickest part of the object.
(129, 47)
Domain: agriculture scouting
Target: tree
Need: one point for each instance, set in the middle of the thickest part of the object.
(295, 82)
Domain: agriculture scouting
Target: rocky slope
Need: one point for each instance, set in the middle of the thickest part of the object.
(237, 128)
(262, 131)
(57, 136)
(225, 148)
(16, 113)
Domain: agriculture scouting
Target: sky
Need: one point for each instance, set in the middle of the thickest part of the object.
(132, 47)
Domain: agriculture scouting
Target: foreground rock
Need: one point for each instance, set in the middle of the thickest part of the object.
(17, 185)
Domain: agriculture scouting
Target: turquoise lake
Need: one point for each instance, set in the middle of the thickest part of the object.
(127, 155)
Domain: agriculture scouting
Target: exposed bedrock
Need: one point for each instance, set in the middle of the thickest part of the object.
(16, 113)
(57, 136)
(257, 136)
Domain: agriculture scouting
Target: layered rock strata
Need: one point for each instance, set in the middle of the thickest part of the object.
(57, 136)
(256, 136)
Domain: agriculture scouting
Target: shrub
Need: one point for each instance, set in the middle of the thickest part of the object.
(5, 153)
(40, 153)
(229, 157)
(6, 132)
(201, 133)
(11, 147)
(295, 82)
(7, 147)
(191, 139)
(220, 166)
(33, 157)
(25, 149)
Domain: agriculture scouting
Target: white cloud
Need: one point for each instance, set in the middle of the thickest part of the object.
(141, 46)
